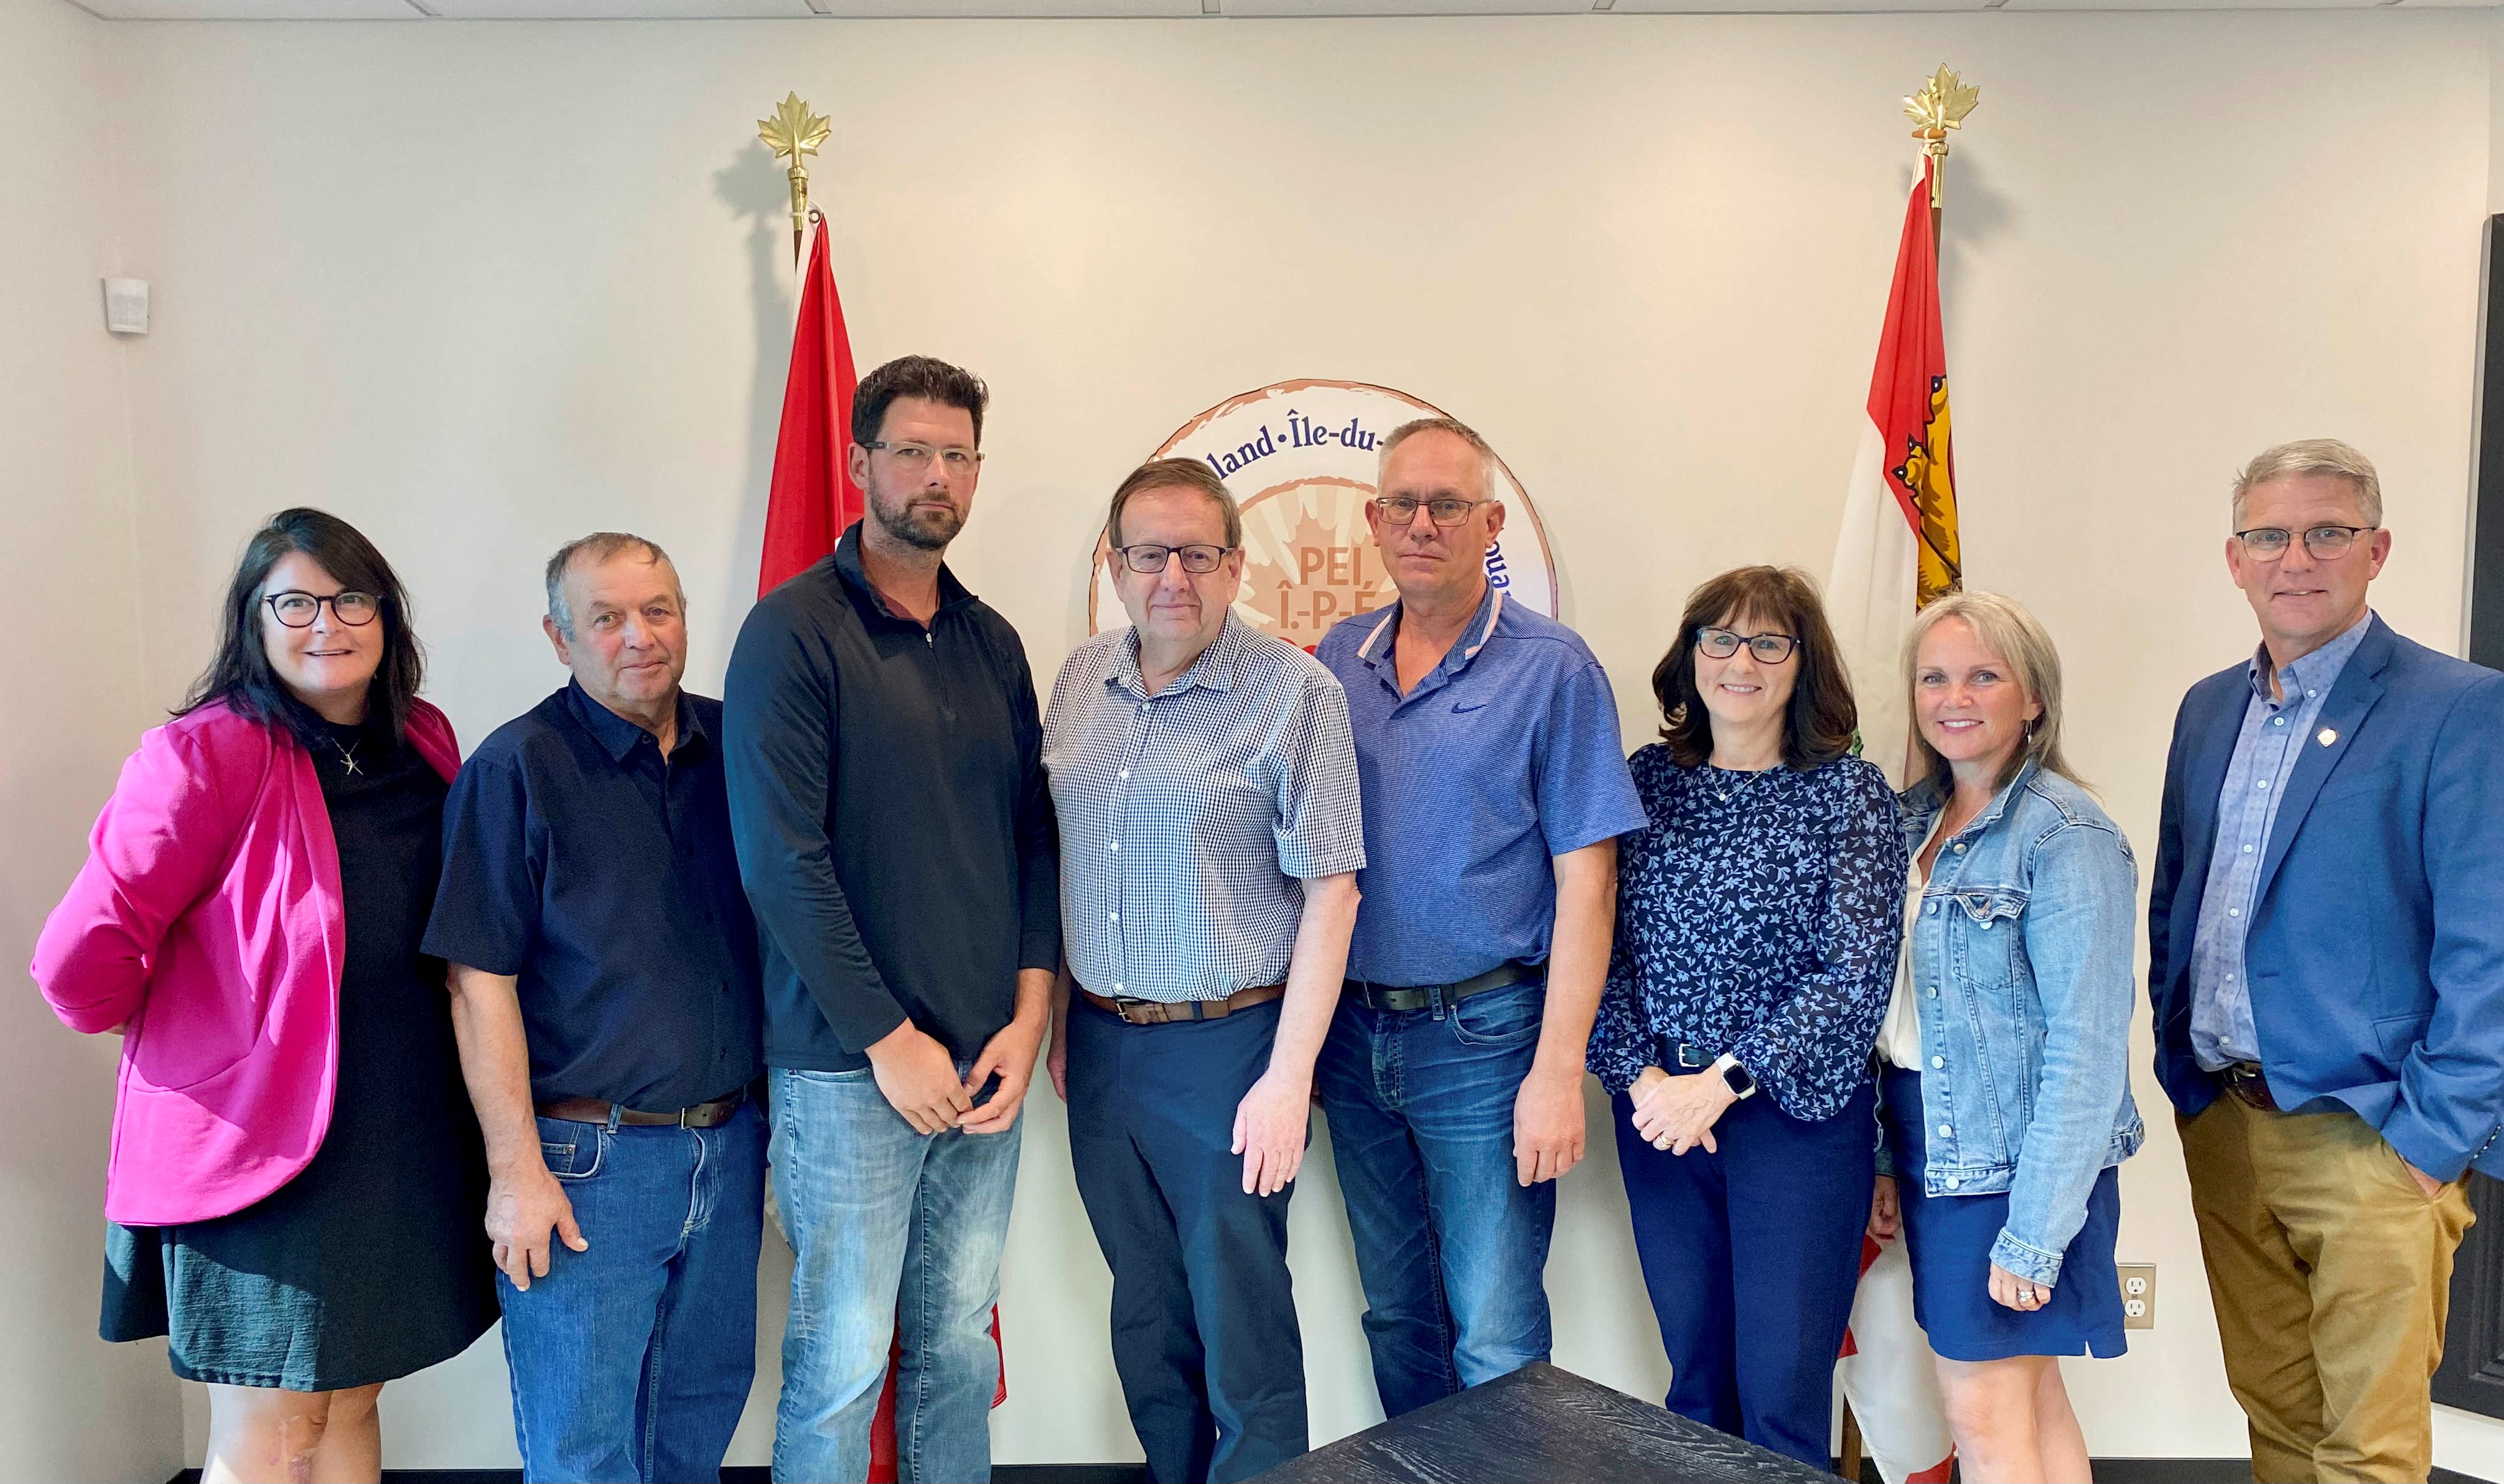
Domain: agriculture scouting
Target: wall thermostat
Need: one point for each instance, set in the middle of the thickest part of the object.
(126, 305)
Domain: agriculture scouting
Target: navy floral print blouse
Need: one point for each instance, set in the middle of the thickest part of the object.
(1759, 914)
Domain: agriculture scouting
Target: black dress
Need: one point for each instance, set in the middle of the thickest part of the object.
(370, 1263)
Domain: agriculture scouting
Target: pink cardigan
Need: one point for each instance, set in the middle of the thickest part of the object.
(208, 918)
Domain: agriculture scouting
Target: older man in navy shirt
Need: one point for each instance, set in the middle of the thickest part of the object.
(604, 974)
(1495, 786)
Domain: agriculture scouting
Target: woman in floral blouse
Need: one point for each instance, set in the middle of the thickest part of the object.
(1759, 916)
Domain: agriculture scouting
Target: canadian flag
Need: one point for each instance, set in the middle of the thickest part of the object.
(813, 498)
(810, 504)
(1897, 552)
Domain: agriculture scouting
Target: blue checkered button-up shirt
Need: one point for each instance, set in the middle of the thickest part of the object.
(1190, 818)
(2273, 737)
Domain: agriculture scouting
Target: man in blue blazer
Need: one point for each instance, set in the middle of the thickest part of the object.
(2326, 937)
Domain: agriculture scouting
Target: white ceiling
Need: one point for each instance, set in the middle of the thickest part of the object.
(419, 10)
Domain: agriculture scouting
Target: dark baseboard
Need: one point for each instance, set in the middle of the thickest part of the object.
(2180, 1470)
(2108, 1470)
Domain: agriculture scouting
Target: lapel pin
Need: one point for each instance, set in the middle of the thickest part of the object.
(2327, 736)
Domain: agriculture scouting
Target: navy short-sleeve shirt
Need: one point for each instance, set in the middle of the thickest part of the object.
(602, 876)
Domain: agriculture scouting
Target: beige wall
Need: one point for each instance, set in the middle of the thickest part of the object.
(70, 1408)
(480, 287)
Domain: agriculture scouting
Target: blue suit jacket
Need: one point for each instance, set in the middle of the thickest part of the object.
(2375, 953)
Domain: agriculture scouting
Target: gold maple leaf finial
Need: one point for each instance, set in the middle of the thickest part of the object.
(1942, 103)
(794, 133)
(1940, 106)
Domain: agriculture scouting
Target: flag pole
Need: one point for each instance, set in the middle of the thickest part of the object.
(794, 133)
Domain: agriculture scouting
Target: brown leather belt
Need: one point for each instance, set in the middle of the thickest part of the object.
(2247, 1081)
(1137, 1011)
(593, 1110)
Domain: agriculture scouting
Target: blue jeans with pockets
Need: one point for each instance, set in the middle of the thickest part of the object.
(1450, 1245)
(632, 1359)
(897, 1233)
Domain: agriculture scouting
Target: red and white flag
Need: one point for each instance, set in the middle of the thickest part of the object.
(1888, 1373)
(810, 502)
(1898, 545)
(1897, 551)
(813, 497)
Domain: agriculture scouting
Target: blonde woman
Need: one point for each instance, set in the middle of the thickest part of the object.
(2005, 1054)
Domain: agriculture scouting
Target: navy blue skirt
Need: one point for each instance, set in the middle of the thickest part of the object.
(1949, 1239)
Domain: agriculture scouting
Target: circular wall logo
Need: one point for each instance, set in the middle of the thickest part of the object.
(1300, 457)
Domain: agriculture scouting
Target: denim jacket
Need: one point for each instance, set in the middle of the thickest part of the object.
(2025, 977)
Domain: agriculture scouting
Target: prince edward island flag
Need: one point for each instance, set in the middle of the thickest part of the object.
(1897, 552)
(1898, 546)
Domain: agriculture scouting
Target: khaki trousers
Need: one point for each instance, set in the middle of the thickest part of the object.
(2331, 1272)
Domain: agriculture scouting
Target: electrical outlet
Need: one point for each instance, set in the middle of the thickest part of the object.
(2138, 1296)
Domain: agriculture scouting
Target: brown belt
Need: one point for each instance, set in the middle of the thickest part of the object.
(1137, 1011)
(2246, 1080)
(593, 1110)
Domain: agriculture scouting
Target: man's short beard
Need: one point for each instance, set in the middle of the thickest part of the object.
(903, 527)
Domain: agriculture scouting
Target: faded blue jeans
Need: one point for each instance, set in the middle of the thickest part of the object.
(632, 1359)
(1449, 1246)
(897, 1235)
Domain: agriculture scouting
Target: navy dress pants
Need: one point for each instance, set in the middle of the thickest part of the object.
(1751, 1254)
(1205, 1335)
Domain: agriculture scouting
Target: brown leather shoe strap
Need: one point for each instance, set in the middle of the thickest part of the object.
(593, 1110)
(1135, 1012)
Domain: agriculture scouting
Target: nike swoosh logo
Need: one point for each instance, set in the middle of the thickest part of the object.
(1458, 708)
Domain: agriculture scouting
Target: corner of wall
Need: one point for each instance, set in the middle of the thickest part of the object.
(71, 1405)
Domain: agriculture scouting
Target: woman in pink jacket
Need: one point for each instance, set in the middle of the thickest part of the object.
(296, 1175)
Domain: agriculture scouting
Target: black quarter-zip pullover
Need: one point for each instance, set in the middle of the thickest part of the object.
(894, 831)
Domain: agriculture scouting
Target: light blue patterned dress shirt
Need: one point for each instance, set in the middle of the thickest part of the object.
(2266, 752)
(1191, 819)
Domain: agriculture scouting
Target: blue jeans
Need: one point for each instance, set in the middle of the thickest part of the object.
(630, 1360)
(1450, 1245)
(897, 1235)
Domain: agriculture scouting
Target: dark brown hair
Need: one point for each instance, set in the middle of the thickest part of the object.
(1175, 475)
(922, 376)
(240, 675)
(1819, 724)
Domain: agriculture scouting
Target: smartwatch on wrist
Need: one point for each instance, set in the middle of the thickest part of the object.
(1735, 1077)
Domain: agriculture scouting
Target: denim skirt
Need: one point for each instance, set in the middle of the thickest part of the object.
(1949, 1239)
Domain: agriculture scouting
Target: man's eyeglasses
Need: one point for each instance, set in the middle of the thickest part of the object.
(1768, 649)
(2325, 542)
(1402, 509)
(914, 458)
(1198, 559)
(297, 609)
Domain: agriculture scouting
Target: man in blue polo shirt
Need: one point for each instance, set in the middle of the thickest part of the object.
(1494, 787)
(605, 992)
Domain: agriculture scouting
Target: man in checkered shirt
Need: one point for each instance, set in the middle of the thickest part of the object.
(1206, 788)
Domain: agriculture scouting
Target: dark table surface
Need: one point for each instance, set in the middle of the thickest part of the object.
(1542, 1426)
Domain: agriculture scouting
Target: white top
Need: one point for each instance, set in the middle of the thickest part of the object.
(1899, 1035)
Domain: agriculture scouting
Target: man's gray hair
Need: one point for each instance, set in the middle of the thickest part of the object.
(2313, 456)
(598, 546)
(1492, 479)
